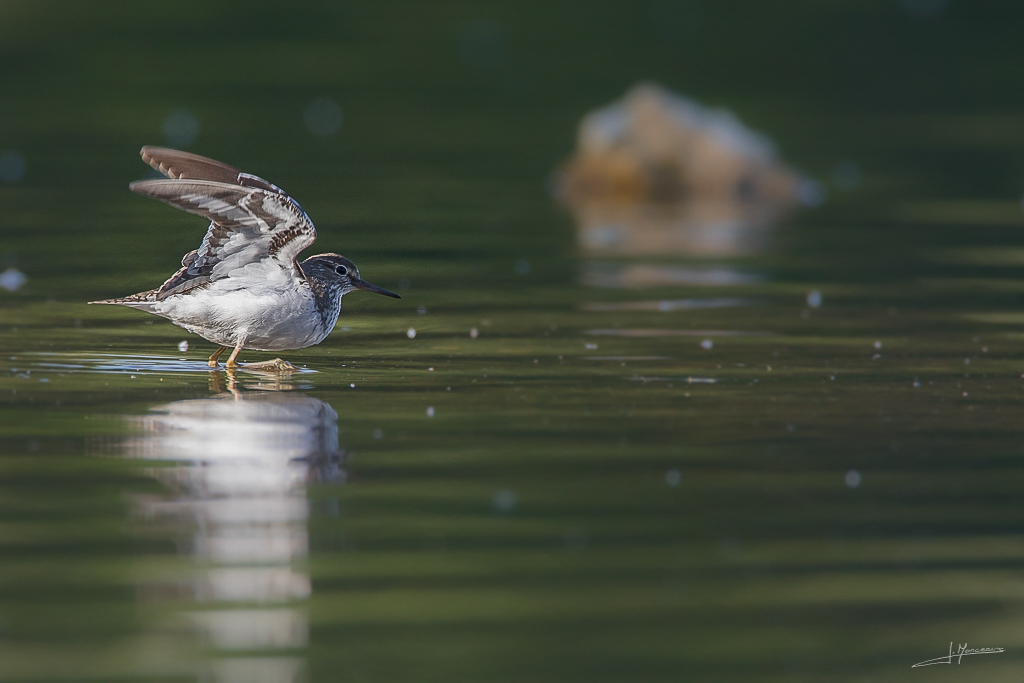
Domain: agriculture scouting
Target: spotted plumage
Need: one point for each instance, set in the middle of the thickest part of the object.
(244, 287)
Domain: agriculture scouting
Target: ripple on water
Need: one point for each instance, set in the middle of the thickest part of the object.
(123, 363)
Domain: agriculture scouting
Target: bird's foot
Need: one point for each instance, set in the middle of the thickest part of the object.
(231, 364)
(276, 365)
(216, 354)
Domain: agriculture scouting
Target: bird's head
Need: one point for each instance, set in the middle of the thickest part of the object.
(336, 271)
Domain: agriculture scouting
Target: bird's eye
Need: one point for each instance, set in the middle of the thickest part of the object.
(341, 270)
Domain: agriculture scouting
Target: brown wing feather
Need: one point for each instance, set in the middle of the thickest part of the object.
(185, 279)
(248, 225)
(180, 165)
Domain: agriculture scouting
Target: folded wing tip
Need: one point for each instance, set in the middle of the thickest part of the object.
(149, 151)
(144, 186)
(149, 183)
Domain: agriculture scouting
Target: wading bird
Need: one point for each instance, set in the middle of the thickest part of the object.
(243, 287)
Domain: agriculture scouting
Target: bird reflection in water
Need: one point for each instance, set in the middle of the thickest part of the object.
(657, 174)
(242, 462)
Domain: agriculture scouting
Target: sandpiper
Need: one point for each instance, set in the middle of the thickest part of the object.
(243, 287)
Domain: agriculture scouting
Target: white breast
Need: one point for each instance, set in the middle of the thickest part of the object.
(265, 311)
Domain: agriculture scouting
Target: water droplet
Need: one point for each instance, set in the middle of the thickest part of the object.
(814, 298)
(522, 267)
(482, 44)
(12, 279)
(474, 333)
(852, 479)
(378, 434)
(12, 166)
(878, 344)
(505, 500)
(411, 333)
(575, 538)
(810, 192)
(430, 411)
(673, 477)
(846, 175)
(181, 127)
(183, 346)
(707, 344)
(323, 117)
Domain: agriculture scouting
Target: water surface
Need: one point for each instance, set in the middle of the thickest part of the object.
(798, 458)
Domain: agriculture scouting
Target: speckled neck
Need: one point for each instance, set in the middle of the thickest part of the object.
(326, 291)
(327, 297)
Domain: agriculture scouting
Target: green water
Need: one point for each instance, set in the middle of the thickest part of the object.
(579, 490)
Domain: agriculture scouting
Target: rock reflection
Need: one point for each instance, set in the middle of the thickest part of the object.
(695, 228)
(242, 461)
(647, 275)
(656, 173)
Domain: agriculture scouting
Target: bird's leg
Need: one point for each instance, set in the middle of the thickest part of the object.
(216, 354)
(232, 363)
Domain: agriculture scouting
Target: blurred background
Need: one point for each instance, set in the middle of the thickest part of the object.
(707, 364)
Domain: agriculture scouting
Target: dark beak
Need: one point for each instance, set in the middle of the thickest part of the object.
(366, 286)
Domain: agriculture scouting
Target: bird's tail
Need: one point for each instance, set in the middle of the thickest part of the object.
(143, 300)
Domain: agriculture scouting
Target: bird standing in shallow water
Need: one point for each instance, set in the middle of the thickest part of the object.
(243, 287)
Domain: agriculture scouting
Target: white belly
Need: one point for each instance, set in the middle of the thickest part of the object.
(274, 319)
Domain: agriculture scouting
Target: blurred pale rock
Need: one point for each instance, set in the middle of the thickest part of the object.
(654, 145)
(657, 173)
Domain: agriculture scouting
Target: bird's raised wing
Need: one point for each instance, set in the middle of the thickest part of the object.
(249, 225)
(185, 166)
